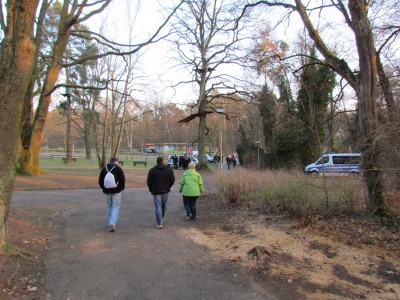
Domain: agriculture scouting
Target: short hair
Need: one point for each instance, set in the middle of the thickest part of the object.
(113, 160)
(192, 165)
(160, 159)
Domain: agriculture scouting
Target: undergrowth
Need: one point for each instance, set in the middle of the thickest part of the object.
(295, 193)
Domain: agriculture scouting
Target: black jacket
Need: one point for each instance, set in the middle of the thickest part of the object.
(119, 178)
(160, 179)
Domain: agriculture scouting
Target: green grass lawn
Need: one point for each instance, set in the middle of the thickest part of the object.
(89, 167)
(85, 166)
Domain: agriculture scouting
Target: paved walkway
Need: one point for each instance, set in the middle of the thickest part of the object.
(138, 261)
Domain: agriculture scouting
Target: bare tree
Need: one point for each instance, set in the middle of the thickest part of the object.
(207, 40)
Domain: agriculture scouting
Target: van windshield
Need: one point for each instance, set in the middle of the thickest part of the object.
(323, 160)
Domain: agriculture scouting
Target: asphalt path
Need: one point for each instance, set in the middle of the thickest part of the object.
(137, 261)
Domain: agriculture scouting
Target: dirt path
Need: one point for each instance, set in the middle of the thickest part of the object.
(138, 261)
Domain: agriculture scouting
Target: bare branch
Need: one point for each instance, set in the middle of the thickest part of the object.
(153, 39)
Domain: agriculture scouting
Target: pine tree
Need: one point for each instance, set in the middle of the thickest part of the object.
(317, 82)
(268, 108)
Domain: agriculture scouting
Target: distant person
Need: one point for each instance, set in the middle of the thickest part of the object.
(191, 186)
(186, 161)
(159, 181)
(228, 161)
(176, 161)
(181, 159)
(112, 184)
(233, 160)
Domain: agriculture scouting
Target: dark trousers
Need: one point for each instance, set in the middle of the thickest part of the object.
(190, 206)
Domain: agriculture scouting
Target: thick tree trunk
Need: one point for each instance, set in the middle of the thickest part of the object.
(367, 94)
(16, 64)
(38, 131)
(25, 162)
(25, 157)
(45, 99)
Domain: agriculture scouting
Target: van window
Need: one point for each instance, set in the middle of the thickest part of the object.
(347, 160)
(355, 160)
(323, 160)
(338, 160)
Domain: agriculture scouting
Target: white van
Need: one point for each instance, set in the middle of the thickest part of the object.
(335, 164)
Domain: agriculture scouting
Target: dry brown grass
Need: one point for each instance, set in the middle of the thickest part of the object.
(295, 193)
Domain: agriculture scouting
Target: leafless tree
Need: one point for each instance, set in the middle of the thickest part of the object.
(207, 41)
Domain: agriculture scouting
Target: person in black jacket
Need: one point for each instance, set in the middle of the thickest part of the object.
(113, 195)
(175, 160)
(159, 181)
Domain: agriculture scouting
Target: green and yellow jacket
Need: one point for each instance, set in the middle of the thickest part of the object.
(191, 183)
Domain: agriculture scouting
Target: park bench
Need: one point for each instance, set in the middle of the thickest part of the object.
(65, 159)
(138, 162)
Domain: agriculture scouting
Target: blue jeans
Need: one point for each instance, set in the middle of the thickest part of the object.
(113, 202)
(160, 206)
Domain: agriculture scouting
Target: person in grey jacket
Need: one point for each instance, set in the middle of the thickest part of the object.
(113, 195)
(159, 181)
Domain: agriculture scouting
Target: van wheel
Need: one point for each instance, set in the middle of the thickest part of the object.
(314, 174)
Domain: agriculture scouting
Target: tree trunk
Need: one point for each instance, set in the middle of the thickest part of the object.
(25, 157)
(202, 144)
(69, 131)
(89, 137)
(38, 131)
(367, 94)
(202, 116)
(16, 65)
(45, 98)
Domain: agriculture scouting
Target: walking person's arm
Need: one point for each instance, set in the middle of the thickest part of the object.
(150, 182)
(181, 183)
(101, 178)
(171, 178)
(121, 179)
(201, 186)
